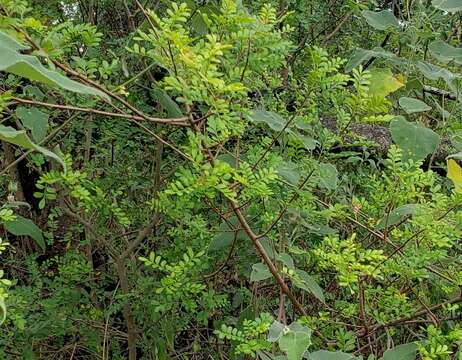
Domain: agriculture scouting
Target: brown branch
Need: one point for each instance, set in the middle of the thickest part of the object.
(174, 121)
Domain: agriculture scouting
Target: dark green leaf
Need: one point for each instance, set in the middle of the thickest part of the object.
(22, 226)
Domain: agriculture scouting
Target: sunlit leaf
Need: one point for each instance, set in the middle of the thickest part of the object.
(383, 82)
(455, 174)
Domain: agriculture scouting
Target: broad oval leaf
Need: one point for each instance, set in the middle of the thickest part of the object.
(401, 352)
(330, 355)
(445, 52)
(273, 120)
(448, 5)
(30, 67)
(20, 138)
(416, 141)
(411, 105)
(34, 120)
(327, 176)
(455, 174)
(307, 283)
(383, 82)
(295, 342)
(22, 226)
(380, 20)
(259, 272)
(397, 215)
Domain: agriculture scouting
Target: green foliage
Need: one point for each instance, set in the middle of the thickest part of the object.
(253, 164)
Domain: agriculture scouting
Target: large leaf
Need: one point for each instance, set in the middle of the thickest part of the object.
(448, 5)
(401, 352)
(416, 141)
(381, 20)
(329, 355)
(34, 120)
(383, 82)
(455, 174)
(307, 283)
(273, 120)
(168, 105)
(20, 138)
(412, 106)
(22, 226)
(361, 55)
(12, 61)
(445, 52)
(434, 72)
(397, 215)
(328, 176)
(295, 342)
(275, 331)
(259, 272)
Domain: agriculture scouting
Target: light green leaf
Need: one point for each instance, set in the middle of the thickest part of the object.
(273, 120)
(20, 138)
(416, 141)
(329, 355)
(22, 226)
(401, 352)
(448, 5)
(433, 72)
(30, 67)
(412, 106)
(35, 120)
(383, 82)
(295, 342)
(308, 142)
(328, 176)
(3, 310)
(381, 20)
(445, 52)
(259, 272)
(307, 283)
(275, 331)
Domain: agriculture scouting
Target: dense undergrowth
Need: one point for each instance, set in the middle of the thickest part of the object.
(231, 179)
